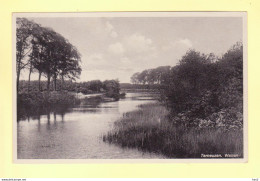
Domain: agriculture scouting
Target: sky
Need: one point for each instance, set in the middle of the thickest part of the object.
(117, 47)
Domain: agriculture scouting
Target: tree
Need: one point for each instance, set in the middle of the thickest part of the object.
(161, 74)
(95, 85)
(134, 78)
(53, 55)
(38, 56)
(69, 66)
(30, 64)
(142, 77)
(43, 48)
(112, 88)
(157, 75)
(24, 34)
(230, 88)
(188, 81)
(192, 68)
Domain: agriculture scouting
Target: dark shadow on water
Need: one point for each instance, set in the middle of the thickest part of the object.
(39, 123)
(28, 114)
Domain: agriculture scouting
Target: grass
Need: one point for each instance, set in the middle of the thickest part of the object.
(150, 129)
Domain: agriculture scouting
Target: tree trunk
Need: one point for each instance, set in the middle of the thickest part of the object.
(54, 115)
(17, 80)
(62, 82)
(48, 117)
(48, 82)
(39, 82)
(55, 82)
(18, 74)
(29, 79)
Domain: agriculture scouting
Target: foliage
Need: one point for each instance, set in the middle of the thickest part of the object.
(204, 92)
(201, 87)
(47, 51)
(151, 76)
(90, 87)
(112, 88)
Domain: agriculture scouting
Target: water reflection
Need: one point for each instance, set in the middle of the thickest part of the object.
(33, 114)
(77, 132)
(84, 107)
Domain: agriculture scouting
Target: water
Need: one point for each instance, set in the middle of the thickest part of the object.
(77, 133)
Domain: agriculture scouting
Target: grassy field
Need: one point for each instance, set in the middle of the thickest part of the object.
(150, 129)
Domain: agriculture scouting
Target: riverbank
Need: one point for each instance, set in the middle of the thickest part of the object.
(94, 99)
(36, 103)
(76, 133)
(150, 129)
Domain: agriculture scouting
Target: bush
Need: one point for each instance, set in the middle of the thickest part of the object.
(112, 88)
(34, 102)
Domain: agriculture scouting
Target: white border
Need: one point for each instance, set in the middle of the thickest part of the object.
(136, 14)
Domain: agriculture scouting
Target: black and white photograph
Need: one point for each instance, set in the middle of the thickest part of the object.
(134, 86)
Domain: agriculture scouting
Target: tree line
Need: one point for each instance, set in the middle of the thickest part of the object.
(151, 76)
(89, 87)
(41, 49)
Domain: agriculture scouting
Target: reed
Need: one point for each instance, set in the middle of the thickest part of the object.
(150, 129)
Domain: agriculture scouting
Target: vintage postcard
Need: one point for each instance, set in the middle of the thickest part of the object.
(130, 87)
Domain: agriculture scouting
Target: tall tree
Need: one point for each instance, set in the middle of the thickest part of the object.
(45, 50)
(69, 66)
(40, 54)
(38, 58)
(54, 56)
(24, 35)
(134, 78)
(142, 77)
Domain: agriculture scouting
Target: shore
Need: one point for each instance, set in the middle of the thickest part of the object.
(150, 129)
(35, 103)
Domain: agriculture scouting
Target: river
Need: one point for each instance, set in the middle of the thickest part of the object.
(77, 133)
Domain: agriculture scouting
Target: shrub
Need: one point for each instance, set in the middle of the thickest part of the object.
(34, 102)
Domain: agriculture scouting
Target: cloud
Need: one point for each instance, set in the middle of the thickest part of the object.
(93, 61)
(105, 62)
(184, 42)
(116, 48)
(134, 53)
(125, 60)
(180, 44)
(111, 30)
(96, 56)
(139, 43)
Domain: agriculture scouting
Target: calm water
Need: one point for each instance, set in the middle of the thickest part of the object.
(77, 133)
